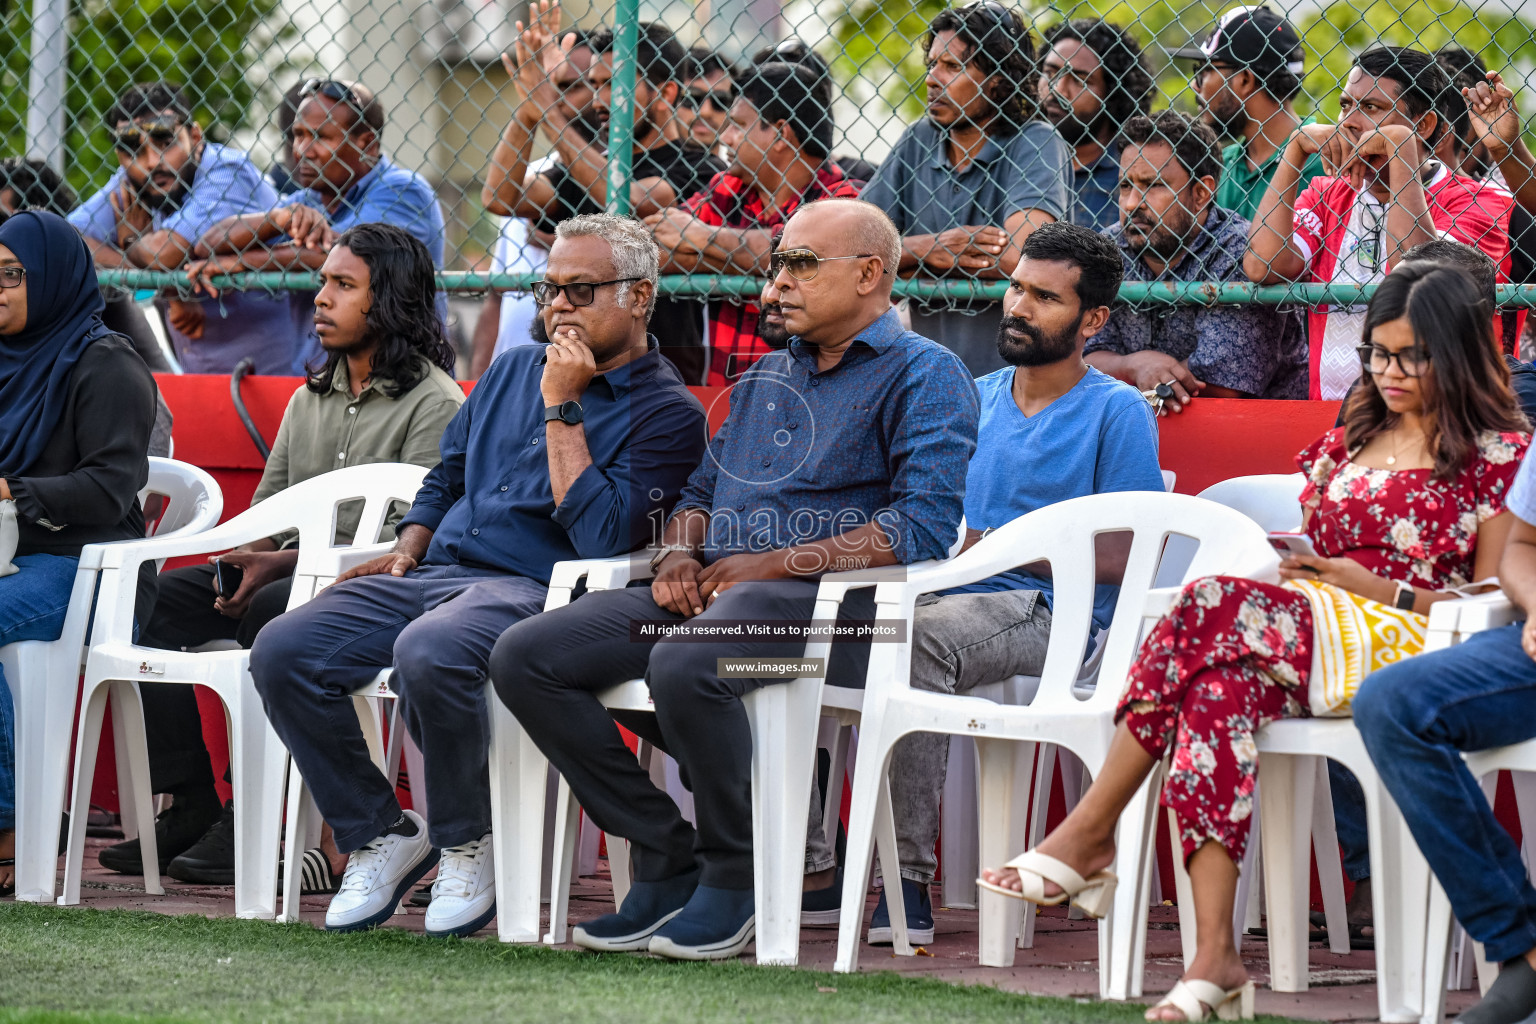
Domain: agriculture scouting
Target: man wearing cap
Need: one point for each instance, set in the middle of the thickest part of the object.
(344, 179)
(1247, 76)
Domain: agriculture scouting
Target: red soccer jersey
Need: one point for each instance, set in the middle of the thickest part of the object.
(1336, 228)
(730, 202)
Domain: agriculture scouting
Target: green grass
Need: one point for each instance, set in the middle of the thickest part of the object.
(111, 967)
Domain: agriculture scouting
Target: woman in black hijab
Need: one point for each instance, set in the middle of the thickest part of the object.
(76, 407)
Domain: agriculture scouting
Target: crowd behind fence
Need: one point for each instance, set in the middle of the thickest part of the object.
(478, 126)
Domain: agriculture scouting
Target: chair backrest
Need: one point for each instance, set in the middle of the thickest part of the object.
(312, 508)
(1063, 534)
(193, 499)
(1273, 500)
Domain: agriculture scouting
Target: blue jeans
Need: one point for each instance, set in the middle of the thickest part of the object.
(1416, 717)
(436, 625)
(1349, 820)
(32, 606)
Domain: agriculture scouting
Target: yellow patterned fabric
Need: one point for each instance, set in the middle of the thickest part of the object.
(1352, 636)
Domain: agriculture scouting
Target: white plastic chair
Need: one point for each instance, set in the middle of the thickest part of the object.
(1451, 622)
(44, 678)
(784, 730)
(114, 665)
(1062, 534)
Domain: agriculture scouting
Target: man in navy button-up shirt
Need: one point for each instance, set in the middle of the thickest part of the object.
(575, 450)
(848, 449)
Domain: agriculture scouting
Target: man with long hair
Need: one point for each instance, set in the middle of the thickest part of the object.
(383, 394)
(968, 183)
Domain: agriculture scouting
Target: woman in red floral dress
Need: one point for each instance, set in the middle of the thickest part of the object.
(1403, 502)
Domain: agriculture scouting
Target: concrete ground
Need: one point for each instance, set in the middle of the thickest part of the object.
(1063, 962)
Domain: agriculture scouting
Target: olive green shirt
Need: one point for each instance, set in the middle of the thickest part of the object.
(334, 429)
(1241, 188)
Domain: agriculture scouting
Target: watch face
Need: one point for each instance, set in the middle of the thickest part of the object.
(570, 412)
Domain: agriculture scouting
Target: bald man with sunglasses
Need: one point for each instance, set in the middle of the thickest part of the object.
(846, 450)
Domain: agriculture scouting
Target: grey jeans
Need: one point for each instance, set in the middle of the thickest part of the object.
(959, 642)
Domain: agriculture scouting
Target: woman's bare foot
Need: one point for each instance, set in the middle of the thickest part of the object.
(7, 852)
(1223, 968)
(1085, 855)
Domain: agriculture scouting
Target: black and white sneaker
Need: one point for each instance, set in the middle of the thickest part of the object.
(378, 875)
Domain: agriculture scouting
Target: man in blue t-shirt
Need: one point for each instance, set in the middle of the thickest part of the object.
(171, 186)
(345, 179)
(1052, 428)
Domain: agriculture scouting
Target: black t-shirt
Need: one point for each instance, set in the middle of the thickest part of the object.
(677, 323)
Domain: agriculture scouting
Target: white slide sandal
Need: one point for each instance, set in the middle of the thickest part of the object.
(1200, 1000)
(1093, 895)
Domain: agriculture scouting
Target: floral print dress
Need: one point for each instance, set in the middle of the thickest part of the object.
(1233, 655)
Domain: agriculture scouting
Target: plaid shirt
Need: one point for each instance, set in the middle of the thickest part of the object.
(730, 202)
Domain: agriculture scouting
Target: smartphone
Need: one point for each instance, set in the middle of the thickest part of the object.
(228, 578)
(1292, 544)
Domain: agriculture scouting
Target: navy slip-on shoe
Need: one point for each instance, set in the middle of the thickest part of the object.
(823, 908)
(716, 924)
(919, 908)
(1510, 999)
(648, 906)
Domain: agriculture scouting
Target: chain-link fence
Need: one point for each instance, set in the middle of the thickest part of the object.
(1305, 161)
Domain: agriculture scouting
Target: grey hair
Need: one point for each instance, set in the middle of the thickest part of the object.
(634, 250)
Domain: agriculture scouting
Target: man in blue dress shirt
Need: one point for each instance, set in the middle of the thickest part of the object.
(170, 187)
(569, 451)
(845, 450)
(345, 179)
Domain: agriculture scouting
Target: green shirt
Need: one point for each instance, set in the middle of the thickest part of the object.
(1241, 188)
(333, 429)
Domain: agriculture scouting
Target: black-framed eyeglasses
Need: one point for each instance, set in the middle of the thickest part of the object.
(1367, 247)
(803, 264)
(1411, 362)
(11, 277)
(162, 133)
(720, 98)
(577, 293)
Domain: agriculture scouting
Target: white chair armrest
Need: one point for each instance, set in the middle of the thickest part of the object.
(1485, 612)
(1160, 600)
(599, 574)
(335, 561)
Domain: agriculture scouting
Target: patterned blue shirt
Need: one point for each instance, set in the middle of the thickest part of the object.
(236, 324)
(884, 436)
(489, 503)
(1258, 350)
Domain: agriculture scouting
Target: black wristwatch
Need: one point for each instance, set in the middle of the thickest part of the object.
(565, 412)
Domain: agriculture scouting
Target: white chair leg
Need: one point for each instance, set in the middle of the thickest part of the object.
(133, 789)
(1437, 954)
(1245, 904)
(618, 868)
(863, 812)
(44, 699)
(567, 818)
(87, 740)
(837, 774)
(1330, 867)
(1399, 904)
(958, 827)
(1286, 791)
(1039, 810)
(1123, 935)
(295, 841)
(259, 763)
(996, 789)
(518, 776)
(588, 838)
(783, 720)
(1184, 894)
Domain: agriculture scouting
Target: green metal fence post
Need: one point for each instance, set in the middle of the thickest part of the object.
(621, 114)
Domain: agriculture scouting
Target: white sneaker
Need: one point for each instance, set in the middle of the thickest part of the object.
(378, 877)
(464, 895)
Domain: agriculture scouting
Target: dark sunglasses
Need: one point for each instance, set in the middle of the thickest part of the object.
(803, 264)
(720, 99)
(577, 293)
(161, 134)
(331, 89)
(1000, 16)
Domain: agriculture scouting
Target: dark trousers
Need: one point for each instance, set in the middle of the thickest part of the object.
(436, 625)
(548, 668)
(183, 616)
(1416, 716)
